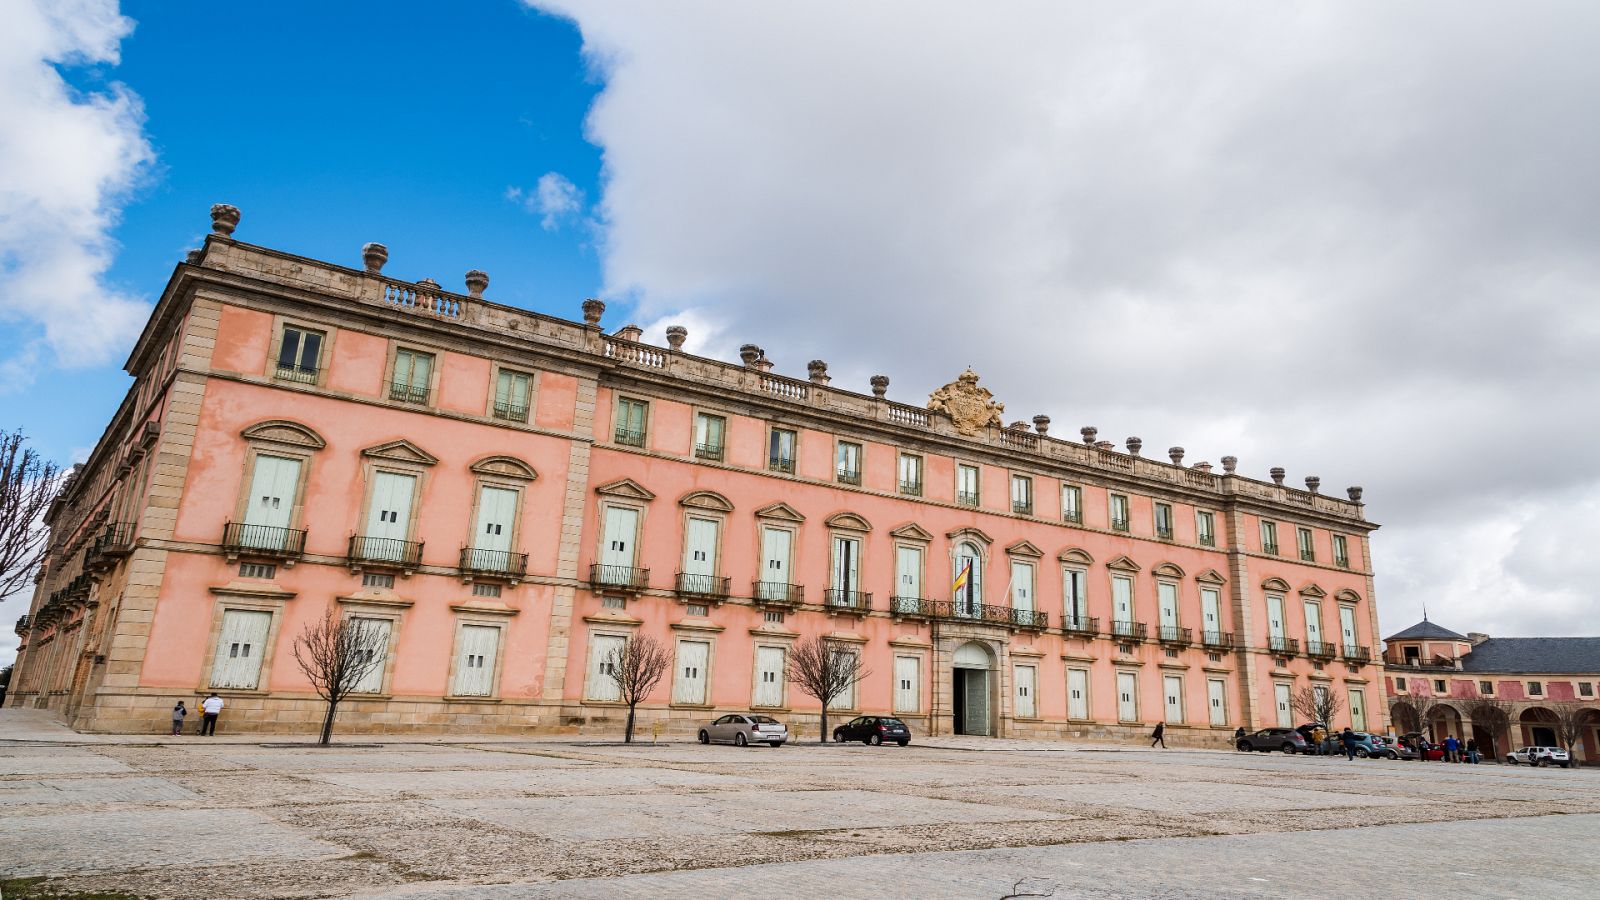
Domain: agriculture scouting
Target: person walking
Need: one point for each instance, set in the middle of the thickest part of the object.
(1238, 736)
(1159, 736)
(1348, 737)
(1452, 749)
(1472, 751)
(178, 712)
(210, 706)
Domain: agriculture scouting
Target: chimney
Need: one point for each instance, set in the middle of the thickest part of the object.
(630, 333)
(1477, 637)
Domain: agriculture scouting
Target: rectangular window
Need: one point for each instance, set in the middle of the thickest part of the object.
(621, 533)
(413, 371)
(1269, 537)
(1216, 698)
(1027, 682)
(847, 697)
(379, 580)
(967, 485)
(846, 566)
(1127, 697)
(1122, 606)
(1439, 686)
(239, 648)
(475, 653)
(491, 536)
(1077, 693)
(1535, 689)
(1205, 527)
(270, 508)
(374, 654)
(1313, 626)
(1486, 688)
(772, 617)
(780, 450)
(1075, 583)
(1308, 551)
(847, 463)
(1164, 521)
(1172, 689)
(1119, 512)
(1586, 689)
(776, 544)
(700, 556)
(908, 572)
(1167, 602)
(689, 678)
(602, 683)
(1281, 695)
(609, 601)
(1211, 616)
(1022, 495)
(388, 518)
(511, 393)
(299, 355)
(479, 588)
(1341, 551)
(769, 676)
(911, 474)
(1071, 503)
(907, 684)
(1399, 684)
(1358, 709)
(696, 609)
(257, 570)
(708, 436)
(1022, 585)
(631, 418)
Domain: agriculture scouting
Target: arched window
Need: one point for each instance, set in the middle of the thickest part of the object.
(968, 579)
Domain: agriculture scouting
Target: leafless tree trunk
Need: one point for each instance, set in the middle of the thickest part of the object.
(637, 668)
(1572, 718)
(824, 669)
(1495, 717)
(336, 653)
(1319, 704)
(27, 485)
(1421, 707)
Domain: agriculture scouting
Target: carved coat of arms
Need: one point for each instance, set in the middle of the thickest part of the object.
(970, 407)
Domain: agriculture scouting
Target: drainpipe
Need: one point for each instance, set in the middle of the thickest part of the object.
(933, 675)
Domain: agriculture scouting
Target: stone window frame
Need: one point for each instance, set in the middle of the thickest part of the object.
(392, 356)
(695, 414)
(1263, 526)
(707, 505)
(623, 494)
(1077, 504)
(1183, 697)
(1026, 553)
(1074, 560)
(1111, 511)
(500, 471)
(922, 473)
(850, 526)
(977, 484)
(1024, 480)
(1340, 542)
(324, 352)
(983, 544)
(1155, 520)
(1088, 689)
(1138, 705)
(769, 464)
(781, 642)
(854, 646)
(496, 367)
(1019, 661)
(911, 536)
(1123, 567)
(1486, 688)
(399, 457)
(696, 636)
(1169, 574)
(392, 610)
(618, 629)
(1536, 689)
(271, 600)
(1305, 543)
(840, 476)
(617, 399)
(282, 438)
(488, 618)
(1199, 533)
(780, 517)
(923, 674)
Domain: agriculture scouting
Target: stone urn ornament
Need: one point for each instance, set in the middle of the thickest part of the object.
(224, 219)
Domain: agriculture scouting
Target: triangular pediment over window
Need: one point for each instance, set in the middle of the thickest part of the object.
(911, 531)
(780, 511)
(401, 451)
(1311, 590)
(282, 431)
(1124, 564)
(628, 488)
(1024, 548)
(706, 500)
(1075, 556)
(848, 521)
(1210, 576)
(505, 467)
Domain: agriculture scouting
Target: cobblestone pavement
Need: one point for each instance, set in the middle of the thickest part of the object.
(188, 817)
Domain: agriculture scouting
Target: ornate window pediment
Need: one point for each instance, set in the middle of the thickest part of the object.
(1348, 596)
(1024, 548)
(505, 467)
(911, 531)
(1275, 584)
(1311, 590)
(1210, 576)
(848, 521)
(969, 534)
(401, 451)
(282, 431)
(627, 488)
(706, 500)
(1168, 570)
(1075, 556)
(781, 511)
(1124, 564)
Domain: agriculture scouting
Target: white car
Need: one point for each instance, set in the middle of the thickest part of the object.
(1539, 756)
(743, 730)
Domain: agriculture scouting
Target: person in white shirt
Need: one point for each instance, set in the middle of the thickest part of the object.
(210, 707)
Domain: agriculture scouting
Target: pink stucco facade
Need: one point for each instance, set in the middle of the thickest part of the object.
(149, 587)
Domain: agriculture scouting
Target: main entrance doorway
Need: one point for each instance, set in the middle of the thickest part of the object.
(971, 689)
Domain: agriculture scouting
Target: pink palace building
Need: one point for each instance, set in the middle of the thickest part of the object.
(510, 496)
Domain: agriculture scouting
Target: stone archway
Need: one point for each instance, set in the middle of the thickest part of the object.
(974, 677)
(1446, 722)
(1538, 728)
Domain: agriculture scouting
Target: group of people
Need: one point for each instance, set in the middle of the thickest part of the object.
(210, 708)
(1454, 750)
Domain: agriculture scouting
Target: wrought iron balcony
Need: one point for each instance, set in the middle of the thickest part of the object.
(1173, 634)
(1031, 619)
(783, 464)
(511, 412)
(1208, 540)
(116, 540)
(845, 476)
(1134, 631)
(1320, 649)
(1119, 524)
(631, 437)
(966, 498)
(376, 551)
(1357, 653)
(1219, 639)
(405, 393)
(712, 452)
(23, 624)
(1270, 548)
(778, 593)
(1088, 626)
(243, 539)
(1308, 555)
(1342, 562)
(1164, 533)
(1022, 507)
(914, 607)
(1073, 516)
(1283, 645)
(624, 577)
(301, 374)
(911, 488)
(714, 587)
(857, 601)
(478, 562)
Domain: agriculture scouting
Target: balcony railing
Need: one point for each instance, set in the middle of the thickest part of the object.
(783, 464)
(301, 374)
(405, 393)
(1270, 548)
(1320, 649)
(498, 563)
(845, 476)
(1219, 639)
(910, 606)
(384, 552)
(116, 540)
(604, 576)
(1283, 645)
(1173, 634)
(1134, 631)
(778, 593)
(911, 488)
(1357, 653)
(631, 437)
(1208, 540)
(835, 598)
(1073, 516)
(966, 498)
(1164, 533)
(511, 412)
(1083, 625)
(23, 624)
(712, 452)
(712, 586)
(1031, 619)
(1342, 562)
(1119, 524)
(1308, 556)
(240, 538)
(1022, 507)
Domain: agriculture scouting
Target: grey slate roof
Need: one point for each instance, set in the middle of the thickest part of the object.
(1426, 630)
(1539, 655)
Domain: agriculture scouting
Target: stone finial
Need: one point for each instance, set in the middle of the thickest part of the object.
(1277, 474)
(373, 256)
(224, 219)
(1041, 424)
(1203, 467)
(762, 364)
(676, 335)
(1355, 493)
(1229, 464)
(1088, 432)
(818, 370)
(428, 283)
(193, 257)
(1135, 444)
(592, 311)
(477, 283)
(1176, 455)
(1105, 445)
(1313, 482)
(749, 353)
(880, 385)
(630, 333)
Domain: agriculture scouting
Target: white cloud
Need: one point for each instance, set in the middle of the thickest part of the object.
(1354, 240)
(555, 199)
(67, 162)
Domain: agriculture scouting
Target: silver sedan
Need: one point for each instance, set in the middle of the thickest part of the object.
(742, 730)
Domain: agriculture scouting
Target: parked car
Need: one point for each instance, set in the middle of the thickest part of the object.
(1285, 740)
(740, 730)
(873, 730)
(1368, 745)
(1395, 747)
(1425, 749)
(1540, 756)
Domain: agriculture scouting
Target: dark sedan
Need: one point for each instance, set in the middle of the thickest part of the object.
(1285, 740)
(873, 730)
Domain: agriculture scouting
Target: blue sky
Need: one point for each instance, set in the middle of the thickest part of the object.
(330, 125)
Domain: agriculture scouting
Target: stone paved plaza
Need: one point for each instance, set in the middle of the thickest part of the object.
(492, 817)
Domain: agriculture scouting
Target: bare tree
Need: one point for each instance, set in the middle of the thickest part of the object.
(1495, 717)
(636, 669)
(336, 653)
(1318, 704)
(1573, 717)
(824, 669)
(27, 485)
(1420, 708)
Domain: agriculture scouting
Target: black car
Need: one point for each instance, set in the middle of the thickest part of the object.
(1286, 740)
(873, 730)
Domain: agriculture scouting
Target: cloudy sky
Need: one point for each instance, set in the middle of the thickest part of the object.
(1356, 240)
